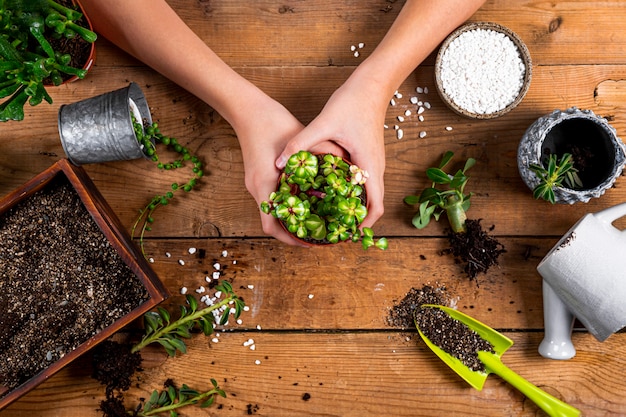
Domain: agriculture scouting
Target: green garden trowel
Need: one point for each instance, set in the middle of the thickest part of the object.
(551, 405)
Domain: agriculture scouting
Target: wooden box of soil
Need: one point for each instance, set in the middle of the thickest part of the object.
(70, 277)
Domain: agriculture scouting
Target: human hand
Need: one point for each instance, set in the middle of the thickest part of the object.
(353, 118)
(262, 139)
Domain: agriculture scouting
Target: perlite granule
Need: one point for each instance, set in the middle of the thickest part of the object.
(482, 71)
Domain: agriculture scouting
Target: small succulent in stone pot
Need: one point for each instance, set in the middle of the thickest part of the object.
(320, 199)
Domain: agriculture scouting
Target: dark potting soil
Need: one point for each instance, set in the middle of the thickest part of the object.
(447, 333)
(402, 315)
(452, 336)
(62, 282)
(474, 248)
(114, 366)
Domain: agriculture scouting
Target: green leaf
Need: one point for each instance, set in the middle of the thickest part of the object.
(164, 314)
(178, 344)
(469, 163)
(411, 200)
(169, 348)
(446, 158)
(438, 176)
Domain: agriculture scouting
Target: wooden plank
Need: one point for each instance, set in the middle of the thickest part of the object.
(320, 33)
(222, 207)
(346, 288)
(347, 374)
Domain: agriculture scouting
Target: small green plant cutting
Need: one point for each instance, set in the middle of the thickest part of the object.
(321, 199)
(445, 195)
(150, 136)
(557, 173)
(28, 60)
(162, 329)
(469, 243)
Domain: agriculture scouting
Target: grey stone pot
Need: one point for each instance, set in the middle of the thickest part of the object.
(100, 129)
(563, 131)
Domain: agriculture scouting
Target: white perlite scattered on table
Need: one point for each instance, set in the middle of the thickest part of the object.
(482, 71)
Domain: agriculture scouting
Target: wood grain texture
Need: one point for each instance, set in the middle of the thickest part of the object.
(322, 313)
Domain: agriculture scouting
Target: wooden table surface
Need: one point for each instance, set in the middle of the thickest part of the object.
(318, 316)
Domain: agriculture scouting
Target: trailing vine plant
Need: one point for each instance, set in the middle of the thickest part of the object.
(149, 137)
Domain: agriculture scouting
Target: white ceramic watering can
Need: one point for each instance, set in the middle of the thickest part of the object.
(584, 277)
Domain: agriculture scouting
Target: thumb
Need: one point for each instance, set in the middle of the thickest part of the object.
(305, 140)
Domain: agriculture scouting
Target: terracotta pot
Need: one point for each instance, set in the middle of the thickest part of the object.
(562, 131)
(311, 241)
(153, 291)
(92, 49)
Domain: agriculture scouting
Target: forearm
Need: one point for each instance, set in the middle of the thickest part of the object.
(420, 26)
(153, 33)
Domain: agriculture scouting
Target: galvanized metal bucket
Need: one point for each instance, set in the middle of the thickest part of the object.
(100, 129)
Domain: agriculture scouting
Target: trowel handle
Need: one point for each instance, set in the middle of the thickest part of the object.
(558, 323)
(551, 405)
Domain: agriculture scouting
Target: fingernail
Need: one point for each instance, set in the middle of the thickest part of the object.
(281, 162)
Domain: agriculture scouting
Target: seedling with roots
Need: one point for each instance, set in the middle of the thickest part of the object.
(445, 195)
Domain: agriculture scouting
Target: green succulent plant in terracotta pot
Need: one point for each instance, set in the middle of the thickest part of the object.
(320, 199)
(42, 43)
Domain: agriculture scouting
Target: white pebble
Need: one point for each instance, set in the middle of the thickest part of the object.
(215, 340)
(400, 134)
(216, 274)
(191, 251)
(224, 253)
(414, 100)
(422, 134)
(201, 290)
(396, 127)
(183, 290)
(482, 71)
(353, 48)
(251, 287)
(248, 342)
(311, 296)
(400, 118)
(356, 54)
(420, 117)
(235, 262)
(425, 90)
(392, 102)
(257, 362)
(151, 260)
(419, 90)
(258, 327)
(253, 347)
(246, 308)
(398, 94)
(448, 128)
(420, 110)
(407, 113)
(218, 294)
(427, 105)
(180, 261)
(217, 266)
(385, 126)
(168, 255)
(239, 321)
(361, 45)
